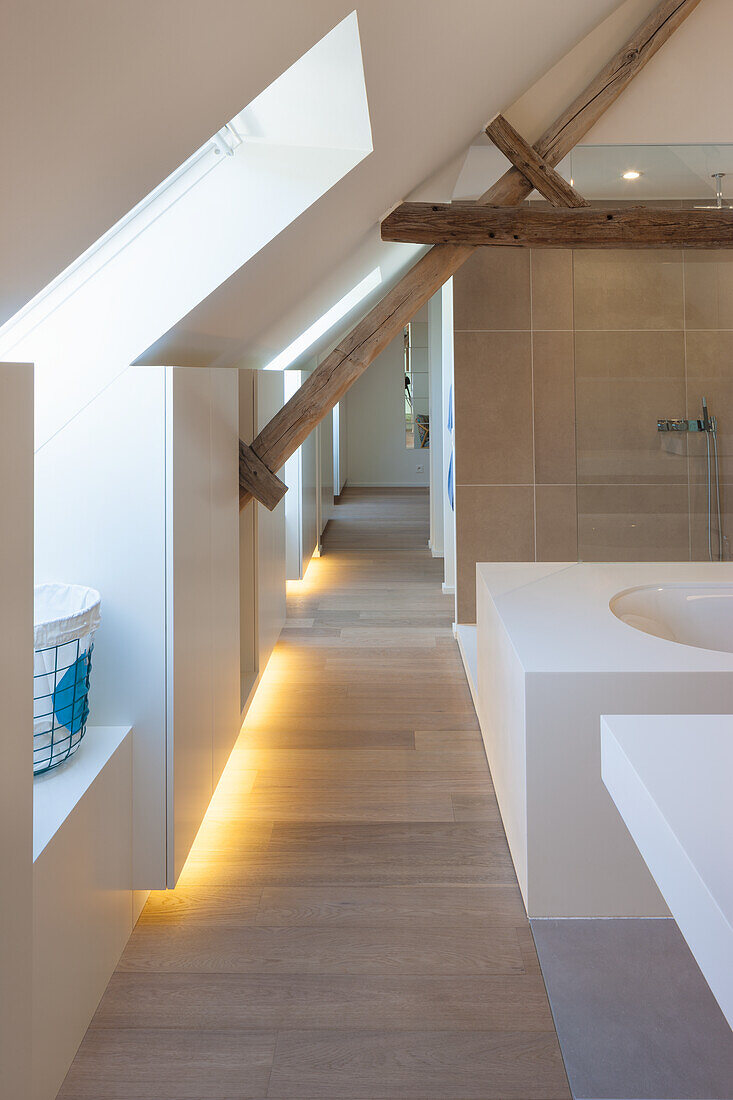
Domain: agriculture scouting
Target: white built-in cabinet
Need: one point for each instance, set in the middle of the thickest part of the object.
(300, 474)
(202, 594)
(261, 542)
(325, 473)
(138, 496)
(309, 501)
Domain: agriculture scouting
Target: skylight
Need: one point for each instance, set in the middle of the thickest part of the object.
(292, 143)
(332, 316)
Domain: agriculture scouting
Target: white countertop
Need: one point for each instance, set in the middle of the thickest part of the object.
(671, 778)
(558, 615)
(56, 792)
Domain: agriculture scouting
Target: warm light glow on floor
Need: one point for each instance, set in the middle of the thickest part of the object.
(226, 825)
(309, 582)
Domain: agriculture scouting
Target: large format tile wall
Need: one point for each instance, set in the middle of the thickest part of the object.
(564, 362)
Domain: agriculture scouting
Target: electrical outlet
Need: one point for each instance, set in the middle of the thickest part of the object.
(419, 468)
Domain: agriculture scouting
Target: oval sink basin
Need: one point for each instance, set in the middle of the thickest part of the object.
(700, 615)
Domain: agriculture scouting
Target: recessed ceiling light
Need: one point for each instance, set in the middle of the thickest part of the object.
(632, 174)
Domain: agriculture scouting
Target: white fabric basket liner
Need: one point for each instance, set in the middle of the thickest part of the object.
(65, 619)
(64, 612)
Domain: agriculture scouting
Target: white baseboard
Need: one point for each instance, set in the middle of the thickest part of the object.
(465, 634)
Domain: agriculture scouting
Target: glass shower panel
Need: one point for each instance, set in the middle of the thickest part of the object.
(629, 372)
(653, 337)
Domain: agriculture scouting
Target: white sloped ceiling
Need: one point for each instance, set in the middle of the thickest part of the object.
(101, 101)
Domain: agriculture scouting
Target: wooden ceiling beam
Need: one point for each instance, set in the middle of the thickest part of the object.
(525, 227)
(533, 167)
(333, 377)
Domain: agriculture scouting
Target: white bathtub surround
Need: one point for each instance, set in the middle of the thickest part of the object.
(670, 777)
(553, 658)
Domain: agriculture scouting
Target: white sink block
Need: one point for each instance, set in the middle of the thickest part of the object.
(670, 777)
(552, 658)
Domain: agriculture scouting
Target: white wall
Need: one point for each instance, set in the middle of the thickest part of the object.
(301, 501)
(435, 360)
(270, 535)
(449, 516)
(247, 553)
(16, 691)
(309, 491)
(375, 419)
(325, 472)
(340, 446)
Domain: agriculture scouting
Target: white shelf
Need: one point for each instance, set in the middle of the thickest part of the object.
(57, 792)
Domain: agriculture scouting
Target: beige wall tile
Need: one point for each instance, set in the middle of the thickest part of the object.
(633, 523)
(553, 370)
(628, 290)
(491, 291)
(625, 382)
(710, 375)
(556, 520)
(493, 407)
(709, 290)
(493, 523)
(552, 288)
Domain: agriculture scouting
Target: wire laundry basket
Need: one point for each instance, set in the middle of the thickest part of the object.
(67, 617)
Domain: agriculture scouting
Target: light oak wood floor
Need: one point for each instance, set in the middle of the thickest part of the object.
(348, 924)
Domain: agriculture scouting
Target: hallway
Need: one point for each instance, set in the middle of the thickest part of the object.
(348, 924)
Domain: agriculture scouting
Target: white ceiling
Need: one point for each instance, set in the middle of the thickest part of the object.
(103, 100)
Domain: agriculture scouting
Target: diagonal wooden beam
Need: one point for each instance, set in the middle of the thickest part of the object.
(257, 479)
(533, 167)
(325, 387)
(524, 227)
(332, 378)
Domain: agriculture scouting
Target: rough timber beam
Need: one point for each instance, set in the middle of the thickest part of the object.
(533, 167)
(255, 478)
(333, 377)
(523, 227)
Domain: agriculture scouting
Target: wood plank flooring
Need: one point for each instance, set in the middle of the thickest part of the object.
(381, 519)
(348, 924)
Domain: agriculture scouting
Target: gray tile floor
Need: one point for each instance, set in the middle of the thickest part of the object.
(635, 1017)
